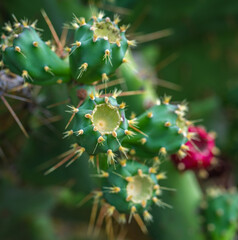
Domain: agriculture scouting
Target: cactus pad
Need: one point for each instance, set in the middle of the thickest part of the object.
(163, 130)
(27, 55)
(99, 49)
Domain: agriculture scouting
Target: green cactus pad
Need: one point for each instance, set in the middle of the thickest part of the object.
(220, 214)
(163, 130)
(100, 125)
(27, 55)
(132, 188)
(99, 49)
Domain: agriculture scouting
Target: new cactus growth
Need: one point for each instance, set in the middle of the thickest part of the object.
(163, 130)
(220, 214)
(99, 48)
(27, 55)
(200, 151)
(100, 125)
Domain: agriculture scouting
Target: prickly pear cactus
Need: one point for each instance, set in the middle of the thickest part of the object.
(163, 130)
(100, 125)
(220, 214)
(99, 48)
(132, 187)
(27, 55)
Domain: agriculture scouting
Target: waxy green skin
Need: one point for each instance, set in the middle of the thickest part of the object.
(118, 200)
(89, 139)
(33, 59)
(92, 53)
(221, 214)
(158, 135)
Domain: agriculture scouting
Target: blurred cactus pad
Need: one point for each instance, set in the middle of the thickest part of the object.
(118, 120)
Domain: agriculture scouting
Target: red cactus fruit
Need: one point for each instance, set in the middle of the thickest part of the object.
(200, 151)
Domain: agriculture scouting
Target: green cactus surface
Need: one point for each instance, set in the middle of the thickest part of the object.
(27, 55)
(99, 49)
(100, 125)
(220, 214)
(163, 130)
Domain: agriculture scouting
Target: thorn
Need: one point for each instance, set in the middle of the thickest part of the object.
(132, 151)
(180, 131)
(163, 151)
(143, 141)
(122, 105)
(167, 124)
(107, 56)
(59, 81)
(110, 156)
(110, 211)
(166, 99)
(91, 159)
(152, 170)
(77, 44)
(89, 116)
(131, 43)
(95, 37)
(116, 93)
(128, 199)
(101, 139)
(118, 43)
(114, 134)
(67, 49)
(35, 44)
(124, 60)
(105, 77)
(123, 150)
(147, 216)
(113, 189)
(101, 15)
(161, 176)
(82, 69)
(91, 96)
(17, 49)
(107, 19)
(80, 132)
(122, 218)
(123, 28)
(106, 100)
(116, 19)
(123, 162)
(129, 133)
(95, 129)
(149, 114)
(181, 154)
(140, 173)
(68, 133)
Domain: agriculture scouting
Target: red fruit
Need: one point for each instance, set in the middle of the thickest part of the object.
(199, 153)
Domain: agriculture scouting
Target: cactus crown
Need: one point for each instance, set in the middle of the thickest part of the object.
(106, 118)
(107, 29)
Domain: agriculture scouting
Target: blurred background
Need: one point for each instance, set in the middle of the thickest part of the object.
(190, 51)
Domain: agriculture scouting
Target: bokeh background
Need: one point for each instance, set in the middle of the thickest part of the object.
(190, 51)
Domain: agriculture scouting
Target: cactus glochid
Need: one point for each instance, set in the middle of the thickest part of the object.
(27, 55)
(99, 48)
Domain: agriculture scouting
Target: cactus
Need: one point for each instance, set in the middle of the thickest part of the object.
(132, 187)
(163, 130)
(219, 210)
(27, 55)
(200, 151)
(99, 48)
(100, 125)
